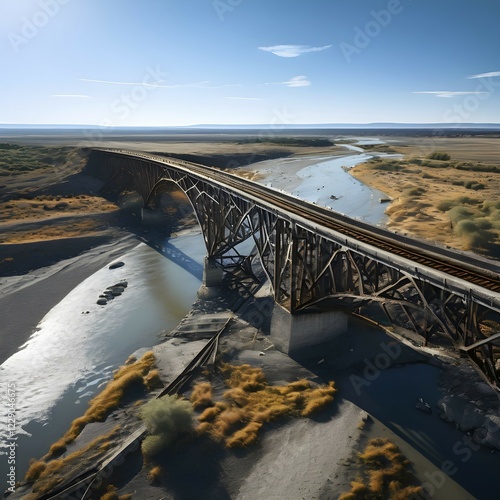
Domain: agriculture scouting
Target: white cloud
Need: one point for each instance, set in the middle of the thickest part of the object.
(145, 84)
(296, 81)
(77, 96)
(491, 74)
(245, 98)
(292, 50)
(450, 93)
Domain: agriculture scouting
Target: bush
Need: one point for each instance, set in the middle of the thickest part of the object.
(445, 205)
(459, 213)
(414, 192)
(465, 227)
(439, 156)
(165, 419)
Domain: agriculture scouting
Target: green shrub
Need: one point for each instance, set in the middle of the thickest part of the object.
(465, 227)
(165, 418)
(466, 200)
(445, 205)
(439, 156)
(414, 192)
(459, 213)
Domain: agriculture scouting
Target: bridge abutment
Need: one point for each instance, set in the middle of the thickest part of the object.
(293, 332)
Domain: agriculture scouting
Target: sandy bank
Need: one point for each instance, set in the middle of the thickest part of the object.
(24, 300)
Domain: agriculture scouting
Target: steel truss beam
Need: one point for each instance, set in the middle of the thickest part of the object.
(311, 270)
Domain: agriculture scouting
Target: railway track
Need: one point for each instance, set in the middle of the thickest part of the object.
(485, 274)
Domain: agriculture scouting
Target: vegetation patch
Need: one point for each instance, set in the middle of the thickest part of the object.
(386, 473)
(155, 475)
(112, 494)
(17, 159)
(292, 141)
(165, 418)
(138, 374)
(437, 155)
(250, 402)
(45, 476)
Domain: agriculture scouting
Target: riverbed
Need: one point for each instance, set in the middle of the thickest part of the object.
(79, 344)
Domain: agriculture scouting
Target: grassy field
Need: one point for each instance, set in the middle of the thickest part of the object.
(454, 200)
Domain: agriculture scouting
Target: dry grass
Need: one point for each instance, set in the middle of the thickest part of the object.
(202, 395)
(387, 474)
(138, 374)
(153, 380)
(155, 475)
(111, 494)
(45, 476)
(250, 402)
(427, 193)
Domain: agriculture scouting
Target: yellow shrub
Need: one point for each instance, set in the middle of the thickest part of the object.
(202, 395)
(250, 402)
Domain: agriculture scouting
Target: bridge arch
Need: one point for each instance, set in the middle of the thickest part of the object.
(315, 259)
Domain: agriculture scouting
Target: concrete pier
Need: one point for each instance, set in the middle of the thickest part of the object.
(212, 277)
(295, 332)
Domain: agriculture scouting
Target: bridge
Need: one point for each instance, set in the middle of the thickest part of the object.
(317, 259)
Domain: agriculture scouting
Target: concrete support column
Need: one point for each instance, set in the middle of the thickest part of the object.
(212, 278)
(293, 332)
(150, 217)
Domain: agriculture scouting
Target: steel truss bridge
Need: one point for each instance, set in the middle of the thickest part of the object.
(317, 259)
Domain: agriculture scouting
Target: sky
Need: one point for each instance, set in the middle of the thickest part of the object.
(113, 63)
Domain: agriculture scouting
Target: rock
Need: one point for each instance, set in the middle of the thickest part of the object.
(102, 302)
(116, 265)
(492, 431)
(123, 284)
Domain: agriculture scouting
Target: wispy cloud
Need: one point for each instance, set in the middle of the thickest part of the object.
(450, 93)
(296, 81)
(245, 98)
(160, 84)
(146, 84)
(75, 96)
(292, 50)
(491, 74)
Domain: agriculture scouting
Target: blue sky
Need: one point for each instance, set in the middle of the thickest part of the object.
(184, 62)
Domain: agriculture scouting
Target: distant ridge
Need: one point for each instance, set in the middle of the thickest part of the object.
(306, 126)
